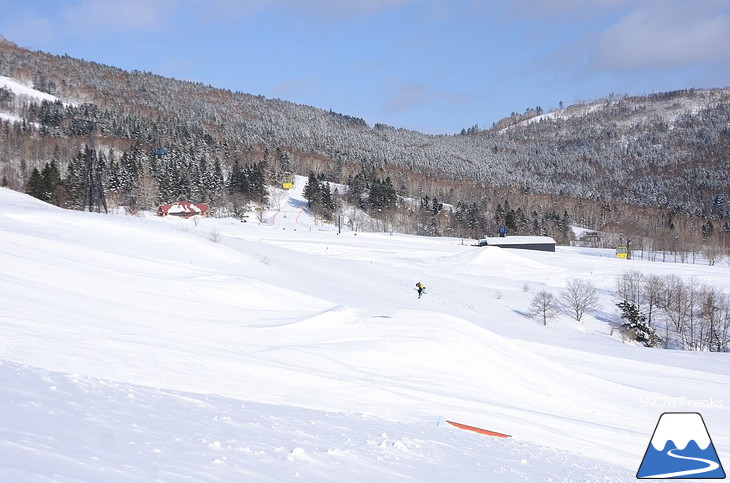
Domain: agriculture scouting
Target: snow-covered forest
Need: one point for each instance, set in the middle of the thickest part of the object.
(651, 169)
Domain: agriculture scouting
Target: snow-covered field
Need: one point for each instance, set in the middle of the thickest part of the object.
(137, 348)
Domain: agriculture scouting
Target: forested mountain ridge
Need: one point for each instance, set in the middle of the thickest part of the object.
(667, 149)
(667, 153)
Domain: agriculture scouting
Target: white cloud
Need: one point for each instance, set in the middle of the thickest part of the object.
(565, 11)
(412, 95)
(228, 9)
(665, 34)
(238, 9)
(349, 6)
(91, 18)
(95, 16)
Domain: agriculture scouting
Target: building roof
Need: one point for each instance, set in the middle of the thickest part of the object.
(518, 240)
(183, 208)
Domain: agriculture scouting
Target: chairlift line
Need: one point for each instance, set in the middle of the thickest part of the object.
(93, 188)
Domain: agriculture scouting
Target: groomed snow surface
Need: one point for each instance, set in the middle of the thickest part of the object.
(139, 348)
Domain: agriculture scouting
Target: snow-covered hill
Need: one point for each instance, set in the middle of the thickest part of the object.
(145, 348)
(668, 107)
(24, 91)
(23, 95)
(661, 149)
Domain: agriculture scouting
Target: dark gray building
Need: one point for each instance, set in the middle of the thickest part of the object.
(542, 243)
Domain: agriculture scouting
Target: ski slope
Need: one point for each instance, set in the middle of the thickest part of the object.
(144, 348)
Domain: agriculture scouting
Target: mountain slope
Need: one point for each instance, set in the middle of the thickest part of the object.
(665, 150)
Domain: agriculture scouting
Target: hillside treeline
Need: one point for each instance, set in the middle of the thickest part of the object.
(684, 314)
(638, 166)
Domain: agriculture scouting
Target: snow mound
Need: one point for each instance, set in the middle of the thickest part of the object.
(22, 202)
(68, 428)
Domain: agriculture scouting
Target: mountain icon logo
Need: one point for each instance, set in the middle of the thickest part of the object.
(681, 448)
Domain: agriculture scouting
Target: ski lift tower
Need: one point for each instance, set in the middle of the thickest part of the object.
(93, 188)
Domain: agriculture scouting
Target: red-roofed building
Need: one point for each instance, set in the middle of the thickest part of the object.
(183, 209)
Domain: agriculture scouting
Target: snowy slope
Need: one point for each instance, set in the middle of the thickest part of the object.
(24, 94)
(20, 89)
(145, 347)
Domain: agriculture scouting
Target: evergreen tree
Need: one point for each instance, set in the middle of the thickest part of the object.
(390, 198)
(511, 221)
(382, 196)
(327, 209)
(216, 181)
(537, 226)
(51, 179)
(200, 181)
(113, 180)
(36, 187)
(236, 180)
(256, 180)
(356, 189)
(312, 191)
(129, 168)
(468, 221)
(500, 213)
(74, 181)
(424, 227)
(436, 207)
(46, 185)
(636, 326)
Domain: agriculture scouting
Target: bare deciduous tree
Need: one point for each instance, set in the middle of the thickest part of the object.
(146, 189)
(277, 197)
(630, 287)
(696, 316)
(578, 297)
(675, 306)
(654, 293)
(712, 252)
(543, 307)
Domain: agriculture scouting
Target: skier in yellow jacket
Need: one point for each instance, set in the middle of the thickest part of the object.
(420, 287)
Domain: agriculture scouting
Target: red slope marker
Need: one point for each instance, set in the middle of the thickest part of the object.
(478, 430)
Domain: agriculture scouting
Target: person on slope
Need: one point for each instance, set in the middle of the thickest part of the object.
(420, 287)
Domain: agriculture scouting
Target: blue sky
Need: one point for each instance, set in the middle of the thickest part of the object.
(433, 66)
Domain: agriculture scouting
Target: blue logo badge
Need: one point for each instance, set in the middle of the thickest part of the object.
(681, 448)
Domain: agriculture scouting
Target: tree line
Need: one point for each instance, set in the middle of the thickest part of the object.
(140, 180)
(655, 311)
(667, 150)
(650, 168)
(686, 314)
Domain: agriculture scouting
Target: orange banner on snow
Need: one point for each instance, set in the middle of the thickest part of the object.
(478, 430)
